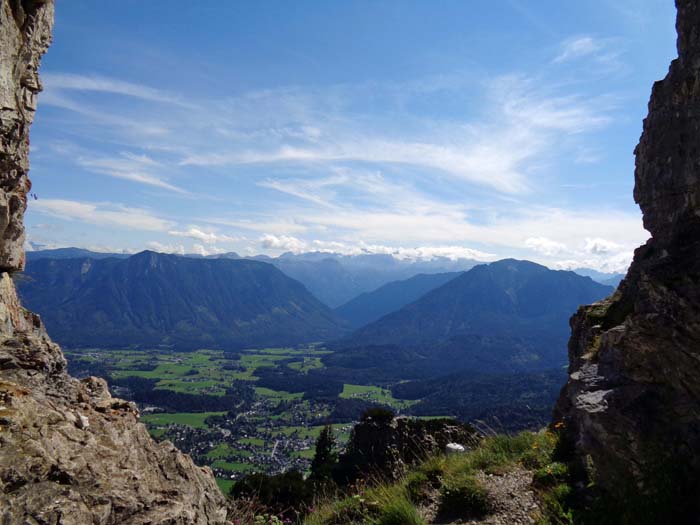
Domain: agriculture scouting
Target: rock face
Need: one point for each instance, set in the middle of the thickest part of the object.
(25, 34)
(631, 408)
(382, 445)
(69, 452)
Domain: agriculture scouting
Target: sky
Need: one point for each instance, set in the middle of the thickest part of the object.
(479, 129)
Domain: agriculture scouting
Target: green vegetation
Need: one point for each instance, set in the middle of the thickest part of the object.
(224, 484)
(310, 363)
(256, 442)
(278, 394)
(192, 419)
(254, 394)
(375, 394)
(225, 451)
(202, 372)
(451, 481)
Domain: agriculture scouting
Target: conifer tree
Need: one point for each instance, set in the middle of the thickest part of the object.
(325, 456)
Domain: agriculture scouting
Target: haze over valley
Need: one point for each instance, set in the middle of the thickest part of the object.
(236, 351)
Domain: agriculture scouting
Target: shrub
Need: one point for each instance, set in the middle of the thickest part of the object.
(417, 487)
(280, 493)
(399, 511)
(551, 474)
(434, 469)
(463, 496)
(556, 511)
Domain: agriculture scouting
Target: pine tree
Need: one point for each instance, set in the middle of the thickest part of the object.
(325, 457)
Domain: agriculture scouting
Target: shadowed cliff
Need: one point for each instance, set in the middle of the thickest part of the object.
(631, 408)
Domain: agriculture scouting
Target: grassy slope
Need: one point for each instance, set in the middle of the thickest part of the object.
(450, 483)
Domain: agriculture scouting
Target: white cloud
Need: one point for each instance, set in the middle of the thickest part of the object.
(545, 246)
(138, 128)
(200, 235)
(157, 246)
(578, 47)
(295, 245)
(129, 167)
(284, 243)
(208, 250)
(520, 123)
(600, 246)
(73, 82)
(101, 213)
(601, 51)
(385, 181)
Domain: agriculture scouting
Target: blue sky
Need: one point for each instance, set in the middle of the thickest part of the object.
(485, 129)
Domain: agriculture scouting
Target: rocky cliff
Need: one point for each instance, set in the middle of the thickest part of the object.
(69, 452)
(631, 408)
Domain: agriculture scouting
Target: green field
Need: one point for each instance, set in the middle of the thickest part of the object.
(374, 393)
(225, 484)
(203, 371)
(278, 394)
(267, 419)
(192, 419)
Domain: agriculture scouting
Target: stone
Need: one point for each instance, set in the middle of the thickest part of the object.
(631, 408)
(69, 452)
(454, 448)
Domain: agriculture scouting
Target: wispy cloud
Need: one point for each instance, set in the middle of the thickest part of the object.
(128, 166)
(604, 52)
(578, 47)
(102, 214)
(519, 124)
(74, 82)
(309, 168)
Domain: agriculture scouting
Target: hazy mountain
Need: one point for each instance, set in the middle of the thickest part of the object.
(332, 278)
(370, 306)
(610, 279)
(336, 279)
(508, 314)
(326, 278)
(71, 253)
(157, 299)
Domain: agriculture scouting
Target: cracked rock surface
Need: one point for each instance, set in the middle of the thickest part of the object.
(70, 453)
(631, 407)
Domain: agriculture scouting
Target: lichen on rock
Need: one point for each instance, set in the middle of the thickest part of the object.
(69, 452)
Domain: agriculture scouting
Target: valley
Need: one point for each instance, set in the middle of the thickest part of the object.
(242, 427)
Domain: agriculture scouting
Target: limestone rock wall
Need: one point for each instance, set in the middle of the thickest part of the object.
(70, 454)
(25, 34)
(631, 408)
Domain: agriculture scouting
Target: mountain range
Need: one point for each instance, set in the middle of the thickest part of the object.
(505, 315)
(370, 306)
(154, 299)
(336, 279)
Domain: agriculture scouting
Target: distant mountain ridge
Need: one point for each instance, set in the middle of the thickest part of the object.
(370, 306)
(333, 278)
(71, 253)
(336, 279)
(507, 314)
(157, 299)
